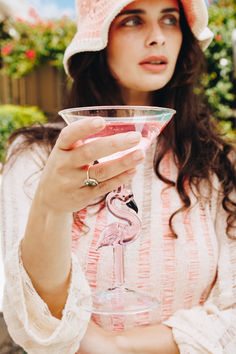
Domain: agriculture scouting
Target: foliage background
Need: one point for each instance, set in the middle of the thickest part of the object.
(14, 117)
(34, 44)
(219, 82)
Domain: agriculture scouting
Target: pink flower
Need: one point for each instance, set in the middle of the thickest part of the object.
(6, 50)
(50, 24)
(218, 37)
(33, 13)
(40, 23)
(30, 54)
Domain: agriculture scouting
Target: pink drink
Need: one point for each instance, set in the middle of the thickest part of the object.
(149, 131)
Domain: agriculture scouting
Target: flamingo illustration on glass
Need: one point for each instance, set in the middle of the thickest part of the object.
(118, 234)
(149, 121)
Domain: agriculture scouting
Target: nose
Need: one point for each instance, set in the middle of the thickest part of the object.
(155, 37)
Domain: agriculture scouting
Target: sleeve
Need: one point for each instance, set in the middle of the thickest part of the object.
(28, 318)
(211, 328)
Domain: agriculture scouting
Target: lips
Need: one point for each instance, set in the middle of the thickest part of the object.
(156, 60)
(154, 63)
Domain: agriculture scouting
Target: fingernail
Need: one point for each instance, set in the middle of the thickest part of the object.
(138, 155)
(98, 122)
(133, 137)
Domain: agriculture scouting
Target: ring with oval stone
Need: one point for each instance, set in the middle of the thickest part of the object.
(90, 182)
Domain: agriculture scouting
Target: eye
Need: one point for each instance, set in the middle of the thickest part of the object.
(170, 20)
(132, 22)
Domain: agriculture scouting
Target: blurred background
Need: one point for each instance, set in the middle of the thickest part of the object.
(33, 84)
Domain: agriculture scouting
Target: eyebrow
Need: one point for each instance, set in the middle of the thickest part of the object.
(139, 11)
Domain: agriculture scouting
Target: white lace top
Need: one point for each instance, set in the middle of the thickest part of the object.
(194, 276)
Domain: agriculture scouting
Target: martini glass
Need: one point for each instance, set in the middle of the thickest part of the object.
(149, 121)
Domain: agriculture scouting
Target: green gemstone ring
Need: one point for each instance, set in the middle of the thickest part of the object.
(90, 182)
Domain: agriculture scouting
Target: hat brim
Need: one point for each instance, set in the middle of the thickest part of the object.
(195, 12)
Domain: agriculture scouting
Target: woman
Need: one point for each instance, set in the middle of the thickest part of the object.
(144, 52)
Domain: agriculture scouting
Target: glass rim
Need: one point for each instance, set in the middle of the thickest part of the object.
(118, 107)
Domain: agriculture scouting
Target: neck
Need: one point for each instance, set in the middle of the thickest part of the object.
(136, 98)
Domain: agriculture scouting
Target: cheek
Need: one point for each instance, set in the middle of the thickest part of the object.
(112, 52)
(118, 54)
(178, 43)
(121, 44)
(175, 47)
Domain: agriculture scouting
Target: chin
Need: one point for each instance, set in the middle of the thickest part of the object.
(150, 85)
(150, 88)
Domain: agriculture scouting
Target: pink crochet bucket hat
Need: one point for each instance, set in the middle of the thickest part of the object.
(94, 18)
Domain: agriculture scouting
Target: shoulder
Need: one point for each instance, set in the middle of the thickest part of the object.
(25, 150)
(21, 147)
(36, 139)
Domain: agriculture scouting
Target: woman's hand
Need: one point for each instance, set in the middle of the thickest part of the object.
(98, 341)
(62, 186)
(156, 339)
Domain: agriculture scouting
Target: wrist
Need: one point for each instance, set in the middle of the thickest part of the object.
(46, 248)
(42, 202)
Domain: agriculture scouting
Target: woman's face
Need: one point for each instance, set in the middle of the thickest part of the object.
(144, 44)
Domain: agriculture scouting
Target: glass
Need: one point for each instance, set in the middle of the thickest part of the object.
(149, 121)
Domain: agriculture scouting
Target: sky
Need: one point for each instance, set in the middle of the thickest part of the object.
(58, 8)
(54, 8)
(47, 9)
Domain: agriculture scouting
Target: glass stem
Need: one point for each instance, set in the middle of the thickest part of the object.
(118, 254)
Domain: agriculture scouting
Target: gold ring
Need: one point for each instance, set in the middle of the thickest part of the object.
(90, 182)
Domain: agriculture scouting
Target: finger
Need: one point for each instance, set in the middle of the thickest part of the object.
(102, 147)
(78, 130)
(105, 187)
(107, 170)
